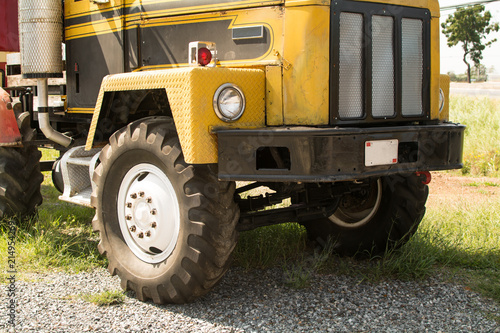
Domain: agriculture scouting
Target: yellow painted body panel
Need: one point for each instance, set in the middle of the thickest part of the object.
(293, 3)
(87, 7)
(190, 92)
(74, 8)
(274, 96)
(435, 67)
(444, 83)
(306, 81)
(270, 17)
(292, 88)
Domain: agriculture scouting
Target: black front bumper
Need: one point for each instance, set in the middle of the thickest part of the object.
(334, 154)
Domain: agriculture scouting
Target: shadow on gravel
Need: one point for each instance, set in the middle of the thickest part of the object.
(260, 301)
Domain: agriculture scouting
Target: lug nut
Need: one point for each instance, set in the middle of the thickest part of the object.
(141, 235)
(133, 195)
(153, 211)
(149, 200)
(141, 194)
(133, 228)
(153, 225)
(128, 217)
(148, 233)
(129, 205)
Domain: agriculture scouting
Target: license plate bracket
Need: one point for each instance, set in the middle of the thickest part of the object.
(381, 152)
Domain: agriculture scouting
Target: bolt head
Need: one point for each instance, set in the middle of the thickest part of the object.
(153, 211)
(129, 205)
(153, 225)
(141, 235)
(149, 200)
(133, 195)
(133, 228)
(128, 217)
(148, 233)
(141, 194)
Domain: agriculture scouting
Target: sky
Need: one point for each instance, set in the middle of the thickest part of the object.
(451, 58)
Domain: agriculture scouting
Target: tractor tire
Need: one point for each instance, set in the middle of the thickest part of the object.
(374, 221)
(167, 227)
(20, 181)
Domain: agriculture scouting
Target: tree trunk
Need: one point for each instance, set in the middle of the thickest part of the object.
(468, 67)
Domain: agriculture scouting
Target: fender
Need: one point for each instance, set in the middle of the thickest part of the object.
(9, 132)
(190, 93)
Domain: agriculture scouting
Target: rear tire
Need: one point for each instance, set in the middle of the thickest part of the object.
(384, 218)
(167, 227)
(20, 181)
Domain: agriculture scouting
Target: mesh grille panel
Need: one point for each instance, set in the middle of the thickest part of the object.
(351, 66)
(383, 66)
(40, 32)
(412, 54)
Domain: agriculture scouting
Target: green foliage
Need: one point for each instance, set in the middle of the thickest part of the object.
(59, 238)
(105, 298)
(457, 77)
(470, 26)
(267, 246)
(297, 276)
(481, 115)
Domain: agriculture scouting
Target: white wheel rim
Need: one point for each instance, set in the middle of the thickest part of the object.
(360, 218)
(148, 213)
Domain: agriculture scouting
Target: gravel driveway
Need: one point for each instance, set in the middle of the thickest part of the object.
(256, 302)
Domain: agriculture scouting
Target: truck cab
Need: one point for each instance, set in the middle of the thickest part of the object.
(174, 110)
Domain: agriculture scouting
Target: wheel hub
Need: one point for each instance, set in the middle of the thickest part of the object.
(148, 213)
(356, 211)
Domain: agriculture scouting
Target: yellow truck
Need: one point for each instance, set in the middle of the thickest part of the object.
(174, 110)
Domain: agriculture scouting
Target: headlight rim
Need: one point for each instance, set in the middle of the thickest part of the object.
(216, 105)
(442, 100)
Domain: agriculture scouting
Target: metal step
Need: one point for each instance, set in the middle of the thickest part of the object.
(77, 167)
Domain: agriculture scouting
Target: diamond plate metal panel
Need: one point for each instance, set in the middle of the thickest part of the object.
(383, 66)
(351, 66)
(40, 36)
(190, 92)
(412, 53)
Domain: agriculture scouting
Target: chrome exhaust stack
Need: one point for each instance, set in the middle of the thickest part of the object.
(40, 39)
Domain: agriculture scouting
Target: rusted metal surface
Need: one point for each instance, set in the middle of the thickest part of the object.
(9, 132)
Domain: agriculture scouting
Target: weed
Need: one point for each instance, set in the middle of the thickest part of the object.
(297, 276)
(105, 298)
(267, 246)
(60, 237)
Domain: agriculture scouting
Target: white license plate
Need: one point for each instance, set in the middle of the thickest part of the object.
(381, 152)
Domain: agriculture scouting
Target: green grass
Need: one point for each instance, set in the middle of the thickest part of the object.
(479, 184)
(481, 115)
(105, 298)
(460, 242)
(59, 238)
(269, 246)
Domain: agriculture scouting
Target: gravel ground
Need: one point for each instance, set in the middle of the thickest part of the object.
(255, 302)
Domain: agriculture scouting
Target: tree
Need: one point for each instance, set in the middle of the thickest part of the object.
(470, 26)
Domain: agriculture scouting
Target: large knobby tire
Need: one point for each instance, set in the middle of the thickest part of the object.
(20, 181)
(373, 221)
(167, 227)
(20, 175)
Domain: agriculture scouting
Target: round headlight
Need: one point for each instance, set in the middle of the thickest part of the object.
(229, 102)
(441, 100)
